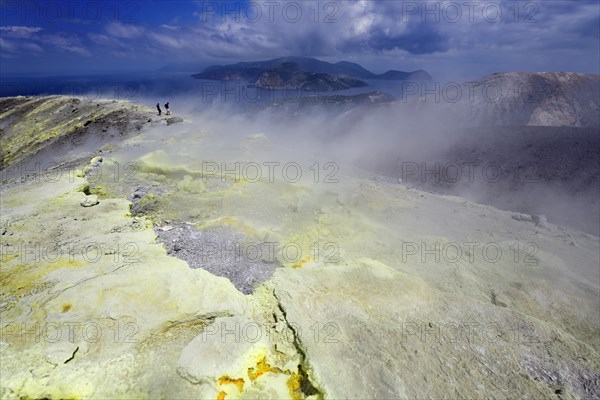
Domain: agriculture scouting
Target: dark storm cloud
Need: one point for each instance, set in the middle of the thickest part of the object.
(590, 28)
(420, 40)
(312, 43)
(381, 31)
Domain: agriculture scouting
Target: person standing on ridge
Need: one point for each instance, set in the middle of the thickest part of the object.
(167, 108)
(158, 108)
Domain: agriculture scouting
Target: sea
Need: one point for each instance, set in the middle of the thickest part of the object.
(160, 87)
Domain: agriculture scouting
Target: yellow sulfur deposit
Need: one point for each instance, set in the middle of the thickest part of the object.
(225, 380)
(108, 308)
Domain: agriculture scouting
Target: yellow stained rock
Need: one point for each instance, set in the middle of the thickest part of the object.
(261, 368)
(294, 383)
(116, 288)
(303, 261)
(239, 382)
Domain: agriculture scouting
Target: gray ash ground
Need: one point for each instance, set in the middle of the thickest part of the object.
(222, 251)
(552, 171)
(565, 377)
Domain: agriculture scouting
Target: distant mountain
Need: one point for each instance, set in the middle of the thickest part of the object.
(289, 75)
(392, 75)
(251, 71)
(562, 99)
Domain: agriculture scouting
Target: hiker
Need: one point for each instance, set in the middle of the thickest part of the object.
(167, 108)
(158, 108)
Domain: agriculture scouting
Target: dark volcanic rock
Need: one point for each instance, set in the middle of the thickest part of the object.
(222, 251)
(174, 120)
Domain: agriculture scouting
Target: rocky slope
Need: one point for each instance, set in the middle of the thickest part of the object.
(48, 127)
(535, 170)
(371, 290)
(529, 99)
(534, 134)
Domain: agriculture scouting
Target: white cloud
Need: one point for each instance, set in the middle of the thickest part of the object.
(68, 43)
(21, 32)
(125, 31)
(19, 47)
(32, 47)
(7, 45)
(100, 39)
(375, 33)
(168, 41)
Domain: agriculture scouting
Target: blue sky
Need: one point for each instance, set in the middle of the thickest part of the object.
(451, 39)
